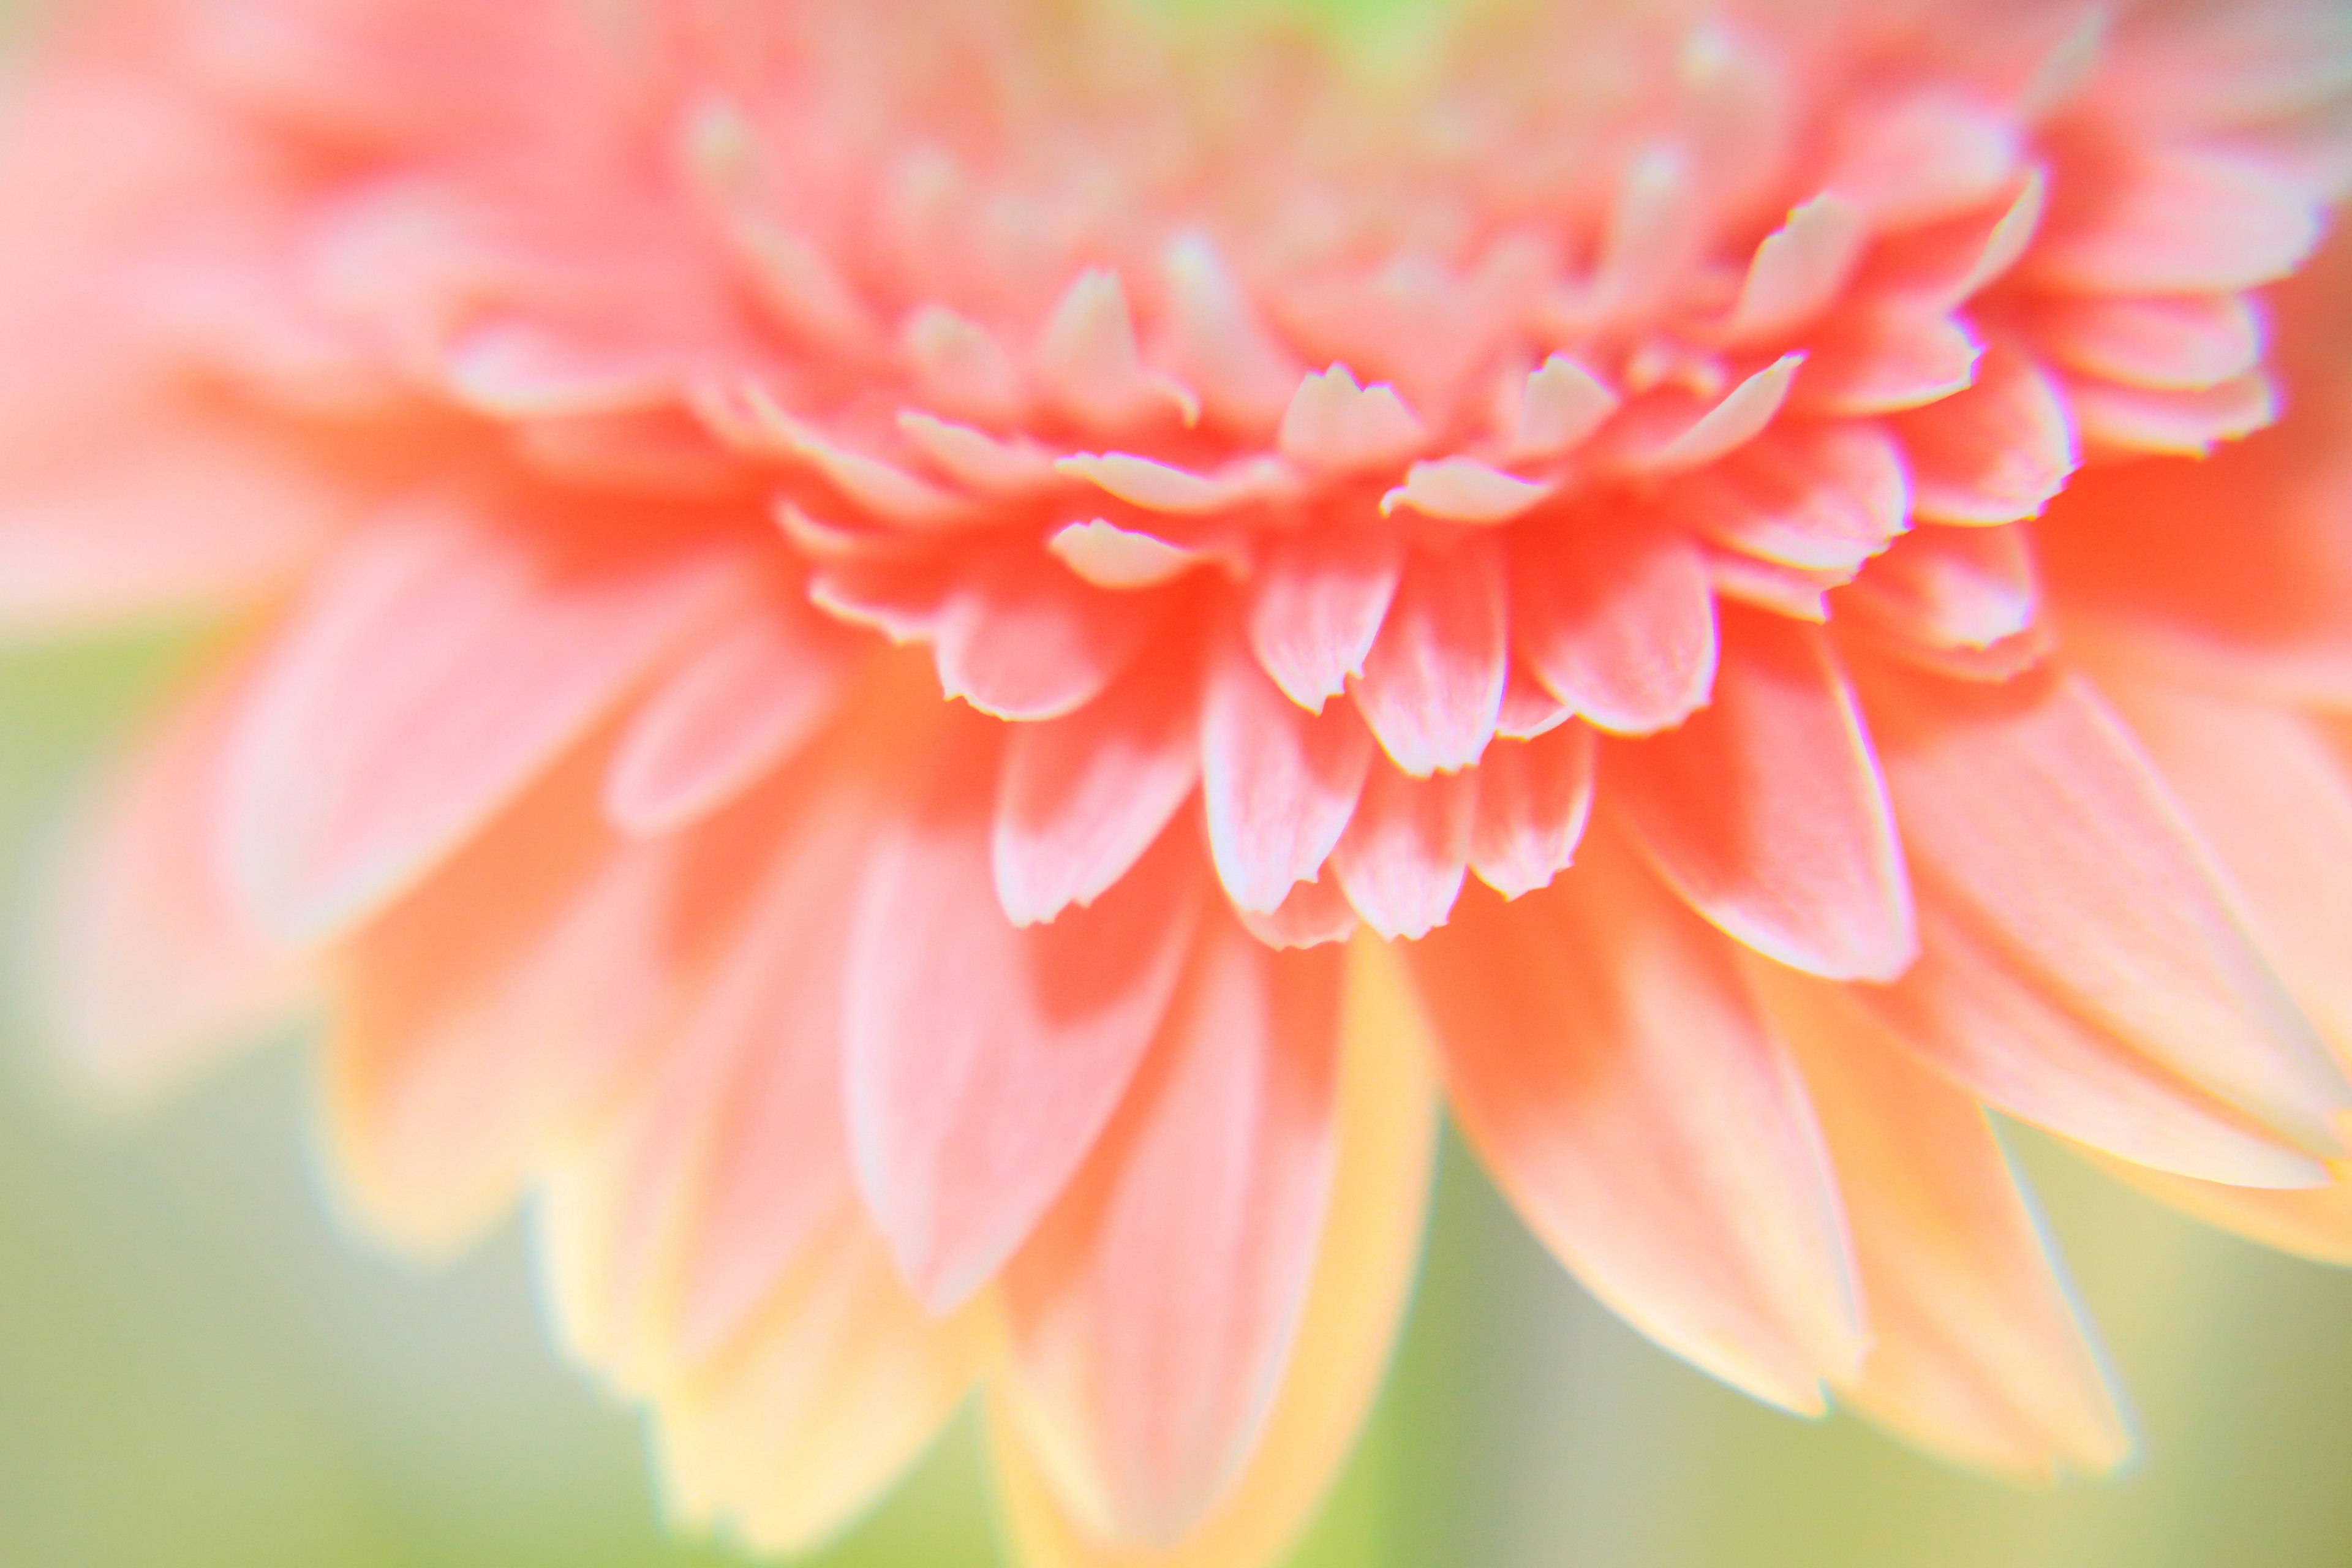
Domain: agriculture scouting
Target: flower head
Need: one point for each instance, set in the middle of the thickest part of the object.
(900, 652)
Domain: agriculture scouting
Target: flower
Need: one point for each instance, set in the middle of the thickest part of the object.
(915, 659)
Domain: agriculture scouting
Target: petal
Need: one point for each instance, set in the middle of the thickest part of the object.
(151, 970)
(2310, 1222)
(1998, 452)
(1816, 495)
(1676, 443)
(1765, 810)
(787, 1440)
(472, 1015)
(1950, 587)
(1334, 425)
(1976, 1350)
(1883, 360)
(1363, 1271)
(1617, 622)
(975, 1092)
(432, 670)
(2270, 795)
(735, 707)
(1315, 913)
(1931, 154)
(1403, 858)
(1433, 684)
(1464, 490)
(1279, 784)
(2179, 342)
(2174, 423)
(1606, 1061)
(1533, 798)
(1020, 640)
(1153, 1311)
(1800, 269)
(1079, 799)
(1321, 597)
(2028, 807)
(2174, 220)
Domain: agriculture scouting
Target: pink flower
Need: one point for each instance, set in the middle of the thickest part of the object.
(910, 655)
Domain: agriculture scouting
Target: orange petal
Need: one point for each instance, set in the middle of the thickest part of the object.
(1021, 639)
(1976, 1348)
(1356, 1297)
(2000, 451)
(1403, 857)
(1604, 1058)
(1321, 597)
(1533, 800)
(1765, 810)
(1618, 623)
(1279, 784)
(2174, 220)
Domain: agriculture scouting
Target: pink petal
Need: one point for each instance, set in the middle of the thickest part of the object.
(1151, 1314)
(1337, 425)
(2028, 808)
(2182, 342)
(150, 969)
(1945, 266)
(2174, 423)
(1433, 683)
(432, 670)
(1811, 495)
(1911, 160)
(1800, 269)
(1087, 360)
(1464, 490)
(1880, 362)
(1766, 812)
(1528, 709)
(1561, 403)
(1533, 801)
(1279, 784)
(1976, 1350)
(1674, 441)
(1023, 639)
(736, 707)
(974, 1096)
(1617, 622)
(1998, 452)
(1321, 597)
(1403, 857)
(2174, 220)
(1315, 913)
(1950, 587)
(1081, 798)
(1217, 342)
(1606, 1061)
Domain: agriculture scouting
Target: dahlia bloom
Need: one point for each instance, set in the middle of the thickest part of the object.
(927, 664)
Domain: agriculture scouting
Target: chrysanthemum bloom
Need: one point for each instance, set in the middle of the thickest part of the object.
(907, 657)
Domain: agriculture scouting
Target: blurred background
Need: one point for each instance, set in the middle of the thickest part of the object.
(199, 1368)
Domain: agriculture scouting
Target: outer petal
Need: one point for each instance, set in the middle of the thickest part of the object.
(1280, 785)
(1606, 1060)
(1153, 1311)
(974, 1096)
(2028, 808)
(786, 1441)
(1975, 1349)
(1766, 811)
(1534, 798)
(1355, 1300)
(1403, 858)
(432, 670)
(1433, 684)
(1028, 640)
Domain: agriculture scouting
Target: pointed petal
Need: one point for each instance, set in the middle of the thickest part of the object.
(975, 1090)
(1433, 684)
(1403, 858)
(152, 971)
(1533, 801)
(2028, 807)
(1976, 1350)
(1996, 453)
(1153, 1311)
(1561, 403)
(1766, 811)
(433, 669)
(1020, 640)
(1279, 784)
(787, 1440)
(1464, 490)
(1606, 1061)
(1742, 416)
(1081, 798)
(734, 708)
(1363, 1270)
(1618, 623)
(1321, 597)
